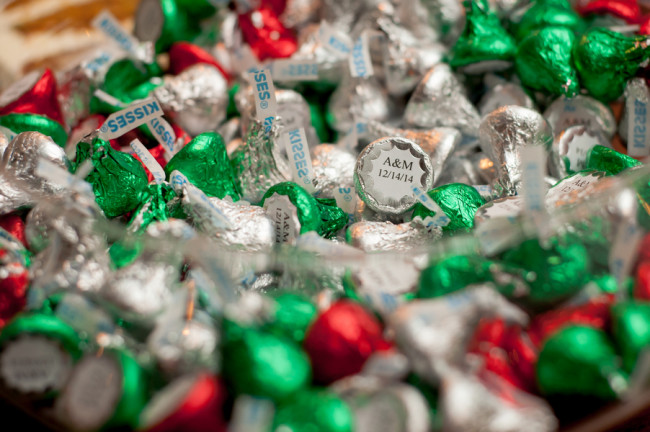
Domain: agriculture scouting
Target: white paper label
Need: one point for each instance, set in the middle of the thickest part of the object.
(284, 216)
(266, 106)
(578, 149)
(623, 252)
(571, 188)
(148, 160)
(294, 70)
(134, 115)
(440, 219)
(34, 364)
(102, 59)
(297, 147)
(58, 175)
(360, 63)
(638, 122)
(164, 134)
(20, 87)
(251, 414)
(533, 163)
(196, 196)
(394, 173)
(496, 234)
(109, 99)
(93, 392)
(334, 40)
(346, 199)
(110, 26)
(7, 133)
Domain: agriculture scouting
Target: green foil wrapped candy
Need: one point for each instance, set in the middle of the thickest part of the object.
(605, 159)
(293, 315)
(554, 272)
(263, 364)
(544, 61)
(606, 60)
(453, 274)
(204, 161)
(459, 201)
(314, 411)
(118, 179)
(549, 13)
(484, 44)
(314, 214)
(631, 328)
(19, 123)
(580, 360)
(153, 207)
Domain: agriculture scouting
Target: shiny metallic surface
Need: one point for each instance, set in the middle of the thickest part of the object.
(446, 15)
(141, 290)
(252, 230)
(20, 185)
(363, 213)
(258, 163)
(580, 110)
(502, 95)
(439, 100)
(300, 12)
(74, 95)
(438, 143)
(570, 148)
(74, 255)
(363, 98)
(387, 236)
(490, 404)
(458, 169)
(503, 133)
(333, 168)
(196, 99)
(331, 63)
(484, 167)
(510, 206)
(385, 184)
(434, 333)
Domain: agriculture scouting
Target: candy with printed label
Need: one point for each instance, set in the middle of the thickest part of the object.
(439, 100)
(570, 149)
(387, 169)
(583, 110)
(503, 133)
(633, 127)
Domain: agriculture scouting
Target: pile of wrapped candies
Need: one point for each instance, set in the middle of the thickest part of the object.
(331, 216)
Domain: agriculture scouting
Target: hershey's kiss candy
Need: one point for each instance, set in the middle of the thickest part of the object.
(386, 172)
(570, 149)
(583, 110)
(384, 236)
(502, 135)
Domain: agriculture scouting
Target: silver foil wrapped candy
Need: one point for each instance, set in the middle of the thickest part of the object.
(570, 148)
(333, 168)
(196, 99)
(252, 230)
(580, 110)
(503, 133)
(439, 100)
(386, 236)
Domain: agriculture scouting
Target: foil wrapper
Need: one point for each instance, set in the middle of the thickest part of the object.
(570, 149)
(386, 170)
(484, 167)
(363, 213)
(503, 133)
(580, 110)
(20, 185)
(438, 143)
(384, 406)
(331, 63)
(447, 16)
(180, 346)
(297, 13)
(387, 236)
(458, 169)
(258, 164)
(491, 405)
(406, 58)
(73, 255)
(230, 132)
(433, 334)
(333, 168)
(504, 94)
(140, 291)
(439, 100)
(252, 229)
(361, 98)
(196, 99)
(292, 112)
(74, 95)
